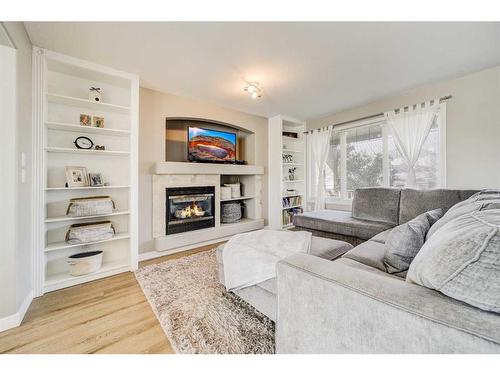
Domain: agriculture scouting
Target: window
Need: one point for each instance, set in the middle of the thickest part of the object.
(366, 156)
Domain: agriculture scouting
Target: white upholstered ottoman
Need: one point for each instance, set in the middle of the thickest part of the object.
(263, 296)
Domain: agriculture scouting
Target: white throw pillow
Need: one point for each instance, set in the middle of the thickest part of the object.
(462, 260)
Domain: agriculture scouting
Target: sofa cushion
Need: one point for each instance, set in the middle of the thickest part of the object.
(340, 222)
(370, 253)
(382, 236)
(327, 248)
(416, 202)
(462, 260)
(269, 285)
(376, 204)
(405, 241)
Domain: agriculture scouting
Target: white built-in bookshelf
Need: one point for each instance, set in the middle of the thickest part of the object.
(61, 87)
(287, 170)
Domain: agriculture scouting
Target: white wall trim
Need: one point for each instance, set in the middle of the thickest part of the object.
(158, 254)
(16, 319)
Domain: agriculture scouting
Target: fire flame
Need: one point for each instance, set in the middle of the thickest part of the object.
(193, 210)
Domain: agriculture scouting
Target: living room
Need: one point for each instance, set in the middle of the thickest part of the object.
(275, 186)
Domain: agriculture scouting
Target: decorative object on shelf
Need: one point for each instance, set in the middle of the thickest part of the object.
(98, 121)
(291, 174)
(290, 192)
(235, 189)
(95, 94)
(96, 179)
(287, 158)
(85, 263)
(225, 192)
(85, 120)
(83, 143)
(100, 147)
(90, 206)
(290, 134)
(82, 233)
(230, 212)
(76, 176)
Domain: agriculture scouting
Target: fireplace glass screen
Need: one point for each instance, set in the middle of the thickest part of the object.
(189, 208)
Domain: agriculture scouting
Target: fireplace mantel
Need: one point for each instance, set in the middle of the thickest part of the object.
(183, 174)
(173, 167)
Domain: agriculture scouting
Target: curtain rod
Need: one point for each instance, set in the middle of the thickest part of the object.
(442, 99)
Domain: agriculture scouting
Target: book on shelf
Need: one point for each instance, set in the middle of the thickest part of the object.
(287, 216)
(292, 201)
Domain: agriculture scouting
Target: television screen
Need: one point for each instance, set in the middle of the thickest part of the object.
(206, 145)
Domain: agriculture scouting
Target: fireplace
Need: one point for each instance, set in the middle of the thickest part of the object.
(189, 208)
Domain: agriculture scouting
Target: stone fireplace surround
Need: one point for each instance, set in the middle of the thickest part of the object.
(181, 174)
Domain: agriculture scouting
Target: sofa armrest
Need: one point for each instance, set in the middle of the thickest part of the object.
(346, 307)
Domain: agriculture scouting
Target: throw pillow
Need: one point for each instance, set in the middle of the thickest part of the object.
(462, 260)
(404, 241)
(483, 200)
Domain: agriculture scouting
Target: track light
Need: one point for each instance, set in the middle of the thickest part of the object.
(254, 89)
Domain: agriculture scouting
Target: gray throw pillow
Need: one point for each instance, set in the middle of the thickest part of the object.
(462, 260)
(404, 241)
(483, 200)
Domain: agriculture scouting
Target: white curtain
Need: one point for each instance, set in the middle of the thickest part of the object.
(410, 127)
(318, 147)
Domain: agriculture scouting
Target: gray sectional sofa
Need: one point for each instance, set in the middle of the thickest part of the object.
(375, 210)
(352, 305)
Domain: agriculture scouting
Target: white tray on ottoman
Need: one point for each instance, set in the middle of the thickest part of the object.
(263, 296)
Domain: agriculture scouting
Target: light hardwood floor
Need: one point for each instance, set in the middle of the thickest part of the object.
(110, 315)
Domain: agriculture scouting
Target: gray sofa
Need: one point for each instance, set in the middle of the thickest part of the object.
(352, 305)
(346, 306)
(375, 210)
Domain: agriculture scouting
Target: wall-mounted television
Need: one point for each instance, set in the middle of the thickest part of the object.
(211, 146)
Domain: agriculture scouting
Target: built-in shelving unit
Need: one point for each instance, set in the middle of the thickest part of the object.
(86, 129)
(57, 219)
(65, 150)
(287, 170)
(61, 87)
(109, 187)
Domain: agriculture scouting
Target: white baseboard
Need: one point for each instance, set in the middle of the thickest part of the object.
(16, 319)
(157, 254)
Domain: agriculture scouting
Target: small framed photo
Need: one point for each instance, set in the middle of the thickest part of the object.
(98, 122)
(85, 120)
(77, 176)
(96, 179)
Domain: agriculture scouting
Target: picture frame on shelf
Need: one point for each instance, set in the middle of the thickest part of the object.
(98, 121)
(85, 120)
(96, 179)
(76, 176)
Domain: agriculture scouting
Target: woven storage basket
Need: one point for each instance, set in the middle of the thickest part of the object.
(90, 232)
(230, 212)
(85, 263)
(90, 206)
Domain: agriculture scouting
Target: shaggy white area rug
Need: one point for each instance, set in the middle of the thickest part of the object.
(196, 312)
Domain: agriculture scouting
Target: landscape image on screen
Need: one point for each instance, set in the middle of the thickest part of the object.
(211, 145)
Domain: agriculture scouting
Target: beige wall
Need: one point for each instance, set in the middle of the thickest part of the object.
(154, 107)
(473, 125)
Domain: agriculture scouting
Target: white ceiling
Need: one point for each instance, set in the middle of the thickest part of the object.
(306, 69)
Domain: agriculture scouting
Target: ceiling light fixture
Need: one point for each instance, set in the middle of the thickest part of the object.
(254, 89)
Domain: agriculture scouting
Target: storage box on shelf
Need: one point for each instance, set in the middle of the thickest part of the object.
(61, 96)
